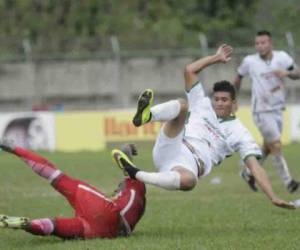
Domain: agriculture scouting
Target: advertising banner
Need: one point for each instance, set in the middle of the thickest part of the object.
(33, 130)
(118, 127)
(80, 131)
(295, 123)
(93, 131)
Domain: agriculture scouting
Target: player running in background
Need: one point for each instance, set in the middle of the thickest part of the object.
(96, 215)
(267, 69)
(192, 139)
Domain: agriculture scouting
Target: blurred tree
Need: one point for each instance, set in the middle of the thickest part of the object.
(76, 26)
(279, 17)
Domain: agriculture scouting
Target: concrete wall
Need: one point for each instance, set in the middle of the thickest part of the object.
(102, 84)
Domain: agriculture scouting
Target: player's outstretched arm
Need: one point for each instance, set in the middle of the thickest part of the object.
(263, 181)
(191, 70)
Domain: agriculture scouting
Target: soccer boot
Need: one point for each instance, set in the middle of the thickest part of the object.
(250, 180)
(293, 186)
(143, 114)
(13, 222)
(124, 163)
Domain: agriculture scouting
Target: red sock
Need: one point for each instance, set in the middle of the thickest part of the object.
(66, 228)
(38, 164)
(41, 227)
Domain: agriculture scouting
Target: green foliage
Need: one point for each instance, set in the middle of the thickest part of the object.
(279, 17)
(66, 25)
(51, 26)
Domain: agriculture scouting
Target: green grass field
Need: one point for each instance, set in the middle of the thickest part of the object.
(212, 216)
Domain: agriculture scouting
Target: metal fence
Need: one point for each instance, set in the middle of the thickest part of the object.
(111, 79)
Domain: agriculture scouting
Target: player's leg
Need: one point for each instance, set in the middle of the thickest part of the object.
(168, 180)
(62, 183)
(265, 153)
(66, 228)
(174, 114)
(38, 164)
(176, 179)
(172, 176)
(130, 151)
(270, 127)
(275, 146)
(173, 111)
(280, 164)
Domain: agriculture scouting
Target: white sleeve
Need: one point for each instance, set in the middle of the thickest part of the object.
(246, 145)
(243, 69)
(195, 94)
(286, 60)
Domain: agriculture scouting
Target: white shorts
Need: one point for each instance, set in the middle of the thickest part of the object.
(171, 152)
(269, 125)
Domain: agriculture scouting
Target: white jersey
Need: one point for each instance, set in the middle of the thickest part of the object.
(267, 90)
(239, 138)
(202, 127)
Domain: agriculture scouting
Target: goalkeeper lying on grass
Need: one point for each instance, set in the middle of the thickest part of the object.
(96, 215)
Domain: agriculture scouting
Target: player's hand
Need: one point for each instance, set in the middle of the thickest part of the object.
(283, 204)
(280, 73)
(224, 52)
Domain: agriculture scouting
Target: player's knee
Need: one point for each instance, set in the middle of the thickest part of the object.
(184, 106)
(187, 182)
(275, 147)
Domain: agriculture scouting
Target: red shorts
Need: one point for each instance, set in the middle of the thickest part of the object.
(99, 215)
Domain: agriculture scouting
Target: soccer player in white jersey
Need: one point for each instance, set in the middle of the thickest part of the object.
(192, 140)
(267, 69)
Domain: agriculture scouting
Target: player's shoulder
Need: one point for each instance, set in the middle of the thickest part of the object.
(280, 53)
(234, 123)
(250, 58)
(239, 123)
(196, 86)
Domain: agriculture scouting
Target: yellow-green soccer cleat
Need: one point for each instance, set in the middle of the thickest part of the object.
(124, 163)
(143, 114)
(13, 222)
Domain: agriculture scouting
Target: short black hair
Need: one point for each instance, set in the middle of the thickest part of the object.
(225, 86)
(264, 33)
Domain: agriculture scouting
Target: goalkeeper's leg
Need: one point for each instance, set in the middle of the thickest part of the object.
(66, 228)
(37, 163)
(64, 184)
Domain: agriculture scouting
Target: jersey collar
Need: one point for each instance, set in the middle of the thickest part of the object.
(229, 118)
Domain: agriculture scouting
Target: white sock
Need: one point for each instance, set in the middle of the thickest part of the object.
(280, 164)
(168, 180)
(166, 111)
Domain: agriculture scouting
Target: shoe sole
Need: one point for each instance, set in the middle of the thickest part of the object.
(144, 101)
(2, 221)
(117, 155)
(13, 222)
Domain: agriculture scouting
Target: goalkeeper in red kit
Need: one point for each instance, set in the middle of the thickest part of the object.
(96, 215)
